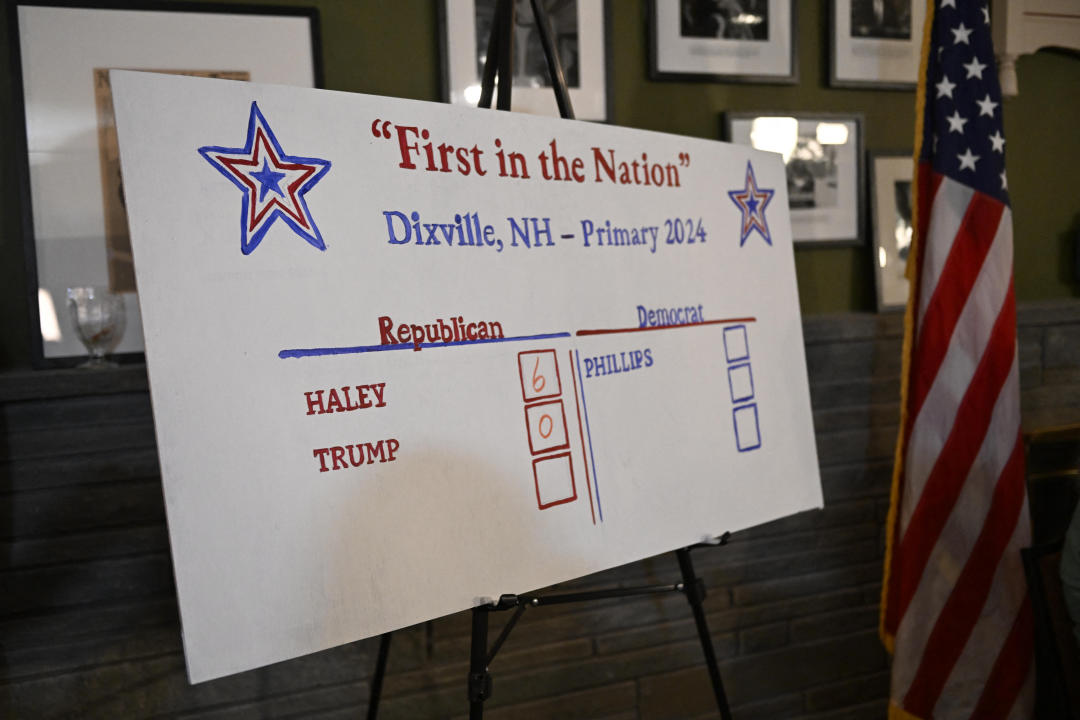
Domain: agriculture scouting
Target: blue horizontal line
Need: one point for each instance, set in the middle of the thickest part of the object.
(318, 352)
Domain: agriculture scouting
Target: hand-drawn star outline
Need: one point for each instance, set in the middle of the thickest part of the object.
(752, 202)
(273, 183)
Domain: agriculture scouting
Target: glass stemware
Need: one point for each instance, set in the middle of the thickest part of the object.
(98, 317)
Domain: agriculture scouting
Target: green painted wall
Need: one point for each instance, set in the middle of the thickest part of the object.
(391, 47)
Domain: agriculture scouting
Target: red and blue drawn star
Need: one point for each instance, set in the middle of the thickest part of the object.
(274, 184)
(752, 202)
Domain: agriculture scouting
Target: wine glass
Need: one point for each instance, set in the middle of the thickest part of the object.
(99, 320)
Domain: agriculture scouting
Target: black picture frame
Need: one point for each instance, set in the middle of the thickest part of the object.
(885, 168)
(661, 70)
(851, 217)
(593, 100)
(39, 356)
(899, 69)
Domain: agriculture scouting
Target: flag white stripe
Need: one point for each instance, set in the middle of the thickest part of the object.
(946, 215)
(1006, 597)
(958, 537)
(966, 346)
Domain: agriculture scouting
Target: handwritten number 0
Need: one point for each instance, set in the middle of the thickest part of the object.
(550, 426)
(538, 381)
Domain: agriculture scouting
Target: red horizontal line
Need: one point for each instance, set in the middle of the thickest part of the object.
(1066, 16)
(612, 331)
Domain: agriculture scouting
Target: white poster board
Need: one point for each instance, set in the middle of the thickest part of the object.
(384, 393)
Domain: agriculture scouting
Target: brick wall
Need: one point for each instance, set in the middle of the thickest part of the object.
(88, 618)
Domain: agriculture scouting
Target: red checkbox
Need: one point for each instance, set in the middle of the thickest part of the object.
(546, 425)
(539, 372)
(554, 478)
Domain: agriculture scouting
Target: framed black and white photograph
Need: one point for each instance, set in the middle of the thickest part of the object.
(74, 220)
(823, 156)
(580, 30)
(890, 213)
(723, 40)
(875, 43)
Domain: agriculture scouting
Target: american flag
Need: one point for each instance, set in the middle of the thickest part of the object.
(955, 611)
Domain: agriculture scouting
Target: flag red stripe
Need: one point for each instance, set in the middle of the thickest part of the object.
(969, 250)
(929, 181)
(1010, 669)
(951, 468)
(964, 606)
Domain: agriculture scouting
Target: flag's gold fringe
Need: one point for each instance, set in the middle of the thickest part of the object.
(898, 713)
(887, 639)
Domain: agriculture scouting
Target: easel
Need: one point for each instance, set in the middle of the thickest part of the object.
(499, 62)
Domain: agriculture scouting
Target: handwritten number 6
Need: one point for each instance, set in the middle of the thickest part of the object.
(538, 381)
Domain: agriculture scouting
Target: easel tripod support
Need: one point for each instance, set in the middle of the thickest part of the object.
(693, 587)
(499, 63)
(480, 657)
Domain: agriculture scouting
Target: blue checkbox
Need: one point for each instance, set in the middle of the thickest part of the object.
(747, 432)
(735, 346)
(741, 383)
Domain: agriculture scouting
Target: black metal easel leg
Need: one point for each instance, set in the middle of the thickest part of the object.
(505, 29)
(695, 594)
(377, 678)
(555, 71)
(479, 678)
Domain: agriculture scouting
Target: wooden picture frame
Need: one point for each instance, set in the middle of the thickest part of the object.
(750, 41)
(73, 220)
(823, 153)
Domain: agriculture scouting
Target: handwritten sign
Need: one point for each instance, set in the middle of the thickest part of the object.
(406, 357)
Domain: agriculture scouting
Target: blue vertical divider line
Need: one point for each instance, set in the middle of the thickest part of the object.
(588, 434)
